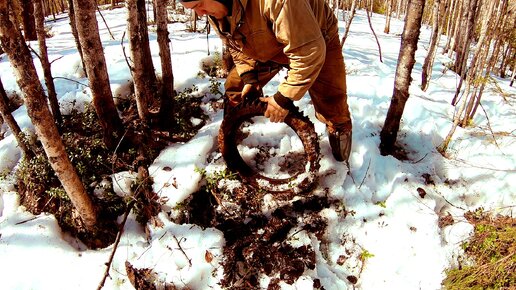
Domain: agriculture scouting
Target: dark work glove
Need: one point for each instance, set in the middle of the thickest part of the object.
(284, 102)
(276, 112)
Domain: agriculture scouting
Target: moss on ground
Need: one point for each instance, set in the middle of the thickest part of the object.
(490, 255)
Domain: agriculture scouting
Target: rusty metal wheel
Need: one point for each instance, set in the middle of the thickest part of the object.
(229, 138)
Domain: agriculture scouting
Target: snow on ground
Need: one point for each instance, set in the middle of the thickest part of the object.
(394, 228)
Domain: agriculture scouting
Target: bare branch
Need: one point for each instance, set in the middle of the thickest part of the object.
(117, 241)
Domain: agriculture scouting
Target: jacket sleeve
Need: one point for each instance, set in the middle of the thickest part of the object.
(294, 25)
(245, 66)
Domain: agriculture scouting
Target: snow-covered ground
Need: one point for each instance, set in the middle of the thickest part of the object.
(392, 227)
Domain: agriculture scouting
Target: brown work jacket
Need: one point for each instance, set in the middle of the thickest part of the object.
(288, 32)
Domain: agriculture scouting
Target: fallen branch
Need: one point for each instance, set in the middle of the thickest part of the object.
(365, 175)
(415, 162)
(489, 126)
(448, 202)
(117, 241)
(482, 167)
(71, 81)
(184, 253)
(26, 221)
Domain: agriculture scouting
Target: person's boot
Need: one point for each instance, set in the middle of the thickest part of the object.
(340, 142)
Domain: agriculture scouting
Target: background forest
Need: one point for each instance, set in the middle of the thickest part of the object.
(110, 113)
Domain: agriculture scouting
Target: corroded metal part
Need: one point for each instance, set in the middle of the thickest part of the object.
(302, 126)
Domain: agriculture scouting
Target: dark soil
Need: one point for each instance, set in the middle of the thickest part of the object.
(256, 244)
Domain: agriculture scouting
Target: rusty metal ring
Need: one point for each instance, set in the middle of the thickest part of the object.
(302, 126)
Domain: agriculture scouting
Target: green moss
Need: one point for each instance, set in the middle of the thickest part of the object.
(491, 252)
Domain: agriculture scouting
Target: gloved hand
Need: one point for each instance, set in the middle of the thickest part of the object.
(251, 90)
(278, 107)
(248, 91)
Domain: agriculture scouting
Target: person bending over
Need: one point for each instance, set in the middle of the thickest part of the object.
(264, 36)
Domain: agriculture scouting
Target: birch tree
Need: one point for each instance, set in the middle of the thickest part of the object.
(29, 24)
(432, 47)
(6, 115)
(143, 69)
(167, 76)
(402, 79)
(464, 45)
(351, 15)
(73, 27)
(43, 56)
(95, 62)
(39, 113)
(388, 13)
(481, 65)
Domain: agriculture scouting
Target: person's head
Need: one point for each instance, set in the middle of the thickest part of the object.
(207, 7)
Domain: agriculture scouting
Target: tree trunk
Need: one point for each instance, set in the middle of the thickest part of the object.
(29, 24)
(388, 13)
(41, 117)
(54, 10)
(43, 55)
(167, 92)
(453, 30)
(464, 47)
(88, 31)
(73, 26)
(6, 115)
(143, 70)
(194, 21)
(470, 102)
(372, 30)
(403, 79)
(434, 41)
(352, 11)
(15, 10)
(496, 23)
(401, 9)
(503, 63)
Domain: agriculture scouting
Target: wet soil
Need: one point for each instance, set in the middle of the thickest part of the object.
(257, 243)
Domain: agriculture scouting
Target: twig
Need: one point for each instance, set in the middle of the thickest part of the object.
(483, 167)
(117, 241)
(143, 253)
(125, 56)
(180, 248)
(33, 51)
(26, 221)
(72, 81)
(420, 159)
(448, 202)
(217, 199)
(374, 34)
(56, 59)
(112, 37)
(365, 175)
(114, 157)
(207, 34)
(290, 237)
(489, 126)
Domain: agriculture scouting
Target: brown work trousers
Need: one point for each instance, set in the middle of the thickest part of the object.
(328, 92)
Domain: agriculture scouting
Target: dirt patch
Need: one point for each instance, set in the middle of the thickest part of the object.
(257, 243)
